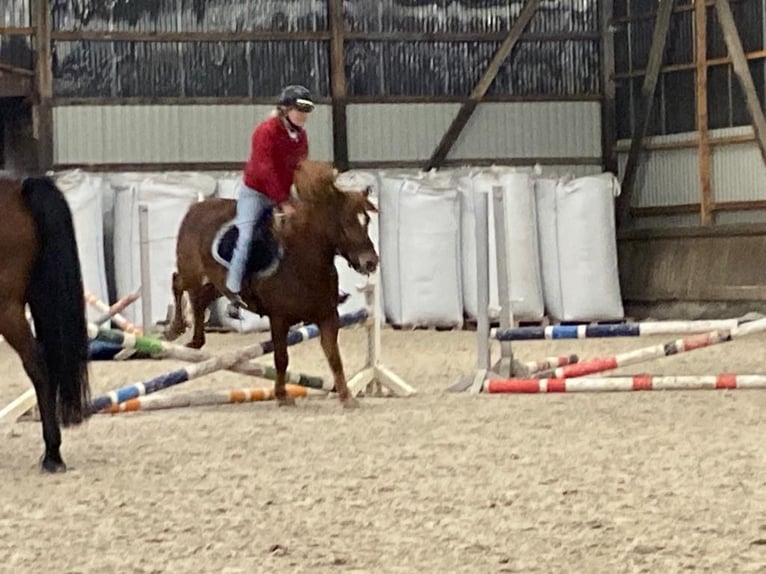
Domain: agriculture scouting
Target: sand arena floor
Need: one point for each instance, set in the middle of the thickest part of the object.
(654, 482)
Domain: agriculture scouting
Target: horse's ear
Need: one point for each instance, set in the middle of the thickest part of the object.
(367, 191)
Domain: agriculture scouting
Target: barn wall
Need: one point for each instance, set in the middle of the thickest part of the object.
(671, 177)
(390, 132)
(104, 134)
(168, 134)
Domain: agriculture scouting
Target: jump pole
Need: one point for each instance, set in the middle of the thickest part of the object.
(212, 365)
(616, 330)
(121, 321)
(375, 375)
(532, 367)
(601, 364)
(118, 307)
(626, 384)
(208, 398)
(20, 405)
(163, 349)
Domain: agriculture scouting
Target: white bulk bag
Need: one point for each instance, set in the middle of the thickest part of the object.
(579, 247)
(348, 279)
(84, 194)
(420, 251)
(168, 197)
(521, 243)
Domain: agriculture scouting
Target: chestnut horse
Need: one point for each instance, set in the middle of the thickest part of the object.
(291, 275)
(40, 265)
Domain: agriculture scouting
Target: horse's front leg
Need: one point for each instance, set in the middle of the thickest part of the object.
(279, 330)
(328, 331)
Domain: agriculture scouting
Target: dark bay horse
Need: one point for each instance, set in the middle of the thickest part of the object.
(40, 265)
(291, 274)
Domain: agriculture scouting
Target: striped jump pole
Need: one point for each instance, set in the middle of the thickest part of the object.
(616, 330)
(121, 321)
(164, 349)
(623, 384)
(532, 367)
(601, 364)
(118, 307)
(212, 365)
(207, 398)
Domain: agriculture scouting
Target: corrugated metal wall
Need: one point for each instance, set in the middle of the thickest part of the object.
(377, 132)
(167, 134)
(671, 177)
(665, 177)
(16, 50)
(391, 132)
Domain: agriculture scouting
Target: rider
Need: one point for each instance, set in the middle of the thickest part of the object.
(278, 144)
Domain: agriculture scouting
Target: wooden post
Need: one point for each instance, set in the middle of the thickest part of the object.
(703, 141)
(739, 63)
(656, 52)
(43, 110)
(338, 85)
(608, 105)
(481, 87)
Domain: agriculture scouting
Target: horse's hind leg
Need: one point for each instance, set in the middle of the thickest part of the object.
(178, 326)
(15, 328)
(328, 331)
(201, 297)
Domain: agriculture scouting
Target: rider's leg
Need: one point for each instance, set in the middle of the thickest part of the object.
(250, 206)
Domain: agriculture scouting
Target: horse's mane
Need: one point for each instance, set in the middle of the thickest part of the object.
(315, 181)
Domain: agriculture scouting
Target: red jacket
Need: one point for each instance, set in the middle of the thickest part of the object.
(274, 155)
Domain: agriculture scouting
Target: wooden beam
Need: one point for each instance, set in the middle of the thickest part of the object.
(469, 36)
(656, 52)
(43, 111)
(703, 138)
(481, 87)
(14, 86)
(338, 85)
(711, 63)
(247, 100)
(654, 143)
(16, 70)
(741, 69)
(16, 31)
(692, 208)
(608, 103)
(148, 36)
(237, 165)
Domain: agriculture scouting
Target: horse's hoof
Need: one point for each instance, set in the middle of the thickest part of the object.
(169, 335)
(49, 465)
(286, 402)
(195, 344)
(350, 403)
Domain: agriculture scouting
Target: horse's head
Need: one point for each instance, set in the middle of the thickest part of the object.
(352, 231)
(345, 214)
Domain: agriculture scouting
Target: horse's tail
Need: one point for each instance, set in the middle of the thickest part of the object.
(55, 297)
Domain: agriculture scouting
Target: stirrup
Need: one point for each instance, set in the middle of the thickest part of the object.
(236, 303)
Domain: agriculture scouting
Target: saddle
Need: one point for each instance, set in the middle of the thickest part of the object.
(266, 251)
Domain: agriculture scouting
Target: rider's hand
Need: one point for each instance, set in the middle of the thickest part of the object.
(287, 208)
